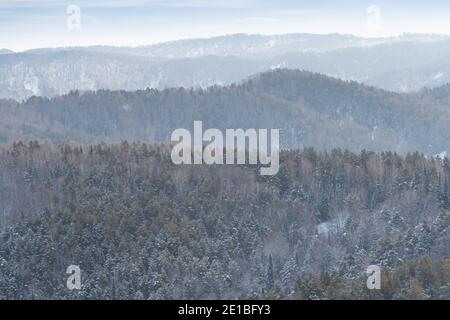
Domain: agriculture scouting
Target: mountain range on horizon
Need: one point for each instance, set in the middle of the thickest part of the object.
(306, 41)
(5, 51)
(404, 64)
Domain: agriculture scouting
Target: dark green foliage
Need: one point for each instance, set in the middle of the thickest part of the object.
(140, 227)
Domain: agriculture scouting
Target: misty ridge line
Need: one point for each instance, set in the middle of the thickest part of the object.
(310, 109)
(244, 82)
(365, 41)
(403, 64)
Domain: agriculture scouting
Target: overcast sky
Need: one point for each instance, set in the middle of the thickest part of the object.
(28, 24)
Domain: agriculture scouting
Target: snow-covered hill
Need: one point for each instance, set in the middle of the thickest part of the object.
(404, 63)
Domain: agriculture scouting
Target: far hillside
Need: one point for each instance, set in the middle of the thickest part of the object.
(309, 108)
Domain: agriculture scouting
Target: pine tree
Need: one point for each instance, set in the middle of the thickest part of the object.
(270, 276)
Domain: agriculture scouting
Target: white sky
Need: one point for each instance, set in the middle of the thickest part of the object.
(26, 24)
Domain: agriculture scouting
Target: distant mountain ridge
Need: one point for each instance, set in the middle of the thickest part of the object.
(5, 51)
(406, 63)
(250, 44)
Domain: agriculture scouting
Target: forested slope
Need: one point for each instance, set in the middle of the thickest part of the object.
(311, 110)
(140, 227)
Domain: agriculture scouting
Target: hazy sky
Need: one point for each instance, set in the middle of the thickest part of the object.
(28, 24)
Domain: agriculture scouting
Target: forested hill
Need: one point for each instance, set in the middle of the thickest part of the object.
(140, 227)
(311, 110)
(404, 64)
